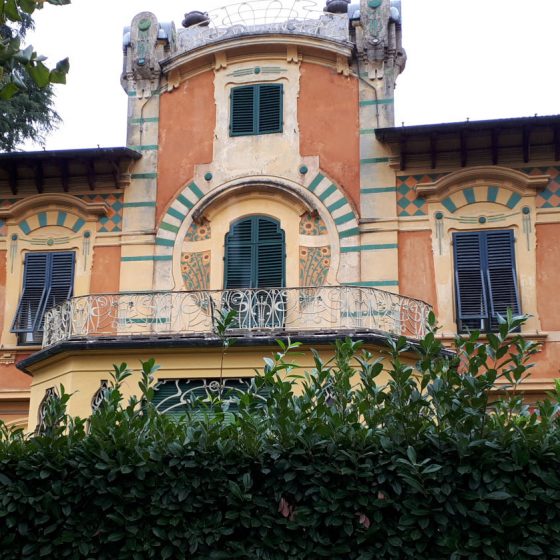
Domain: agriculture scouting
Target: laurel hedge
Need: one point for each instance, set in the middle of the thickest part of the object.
(432, 464)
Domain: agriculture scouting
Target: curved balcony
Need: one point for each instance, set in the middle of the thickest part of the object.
(257, 17)
(287, 311)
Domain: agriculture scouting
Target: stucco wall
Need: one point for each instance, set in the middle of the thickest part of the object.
(548, 263)
(416, 266)
(329, 125)
(105, 270)
(187, 123)
(547, 362)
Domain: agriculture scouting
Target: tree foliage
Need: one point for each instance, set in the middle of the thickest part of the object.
(331, 463)
(27, 109)
(29, 115)
(14, 16)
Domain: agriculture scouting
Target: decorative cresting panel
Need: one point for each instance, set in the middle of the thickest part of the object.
(282, 310)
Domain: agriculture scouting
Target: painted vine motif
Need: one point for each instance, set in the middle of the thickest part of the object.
(314, 264)
(312, 224)
(195, 269)
(199, 232)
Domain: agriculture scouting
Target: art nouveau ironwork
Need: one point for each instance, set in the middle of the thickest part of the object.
(177, 396)
(276, 310)
(300, 17)
(100, 395)
(50, 394)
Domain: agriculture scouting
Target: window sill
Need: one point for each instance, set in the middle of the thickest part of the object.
(529, 335)
(21, 347)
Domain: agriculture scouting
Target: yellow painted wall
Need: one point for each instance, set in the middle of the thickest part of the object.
(82, 372)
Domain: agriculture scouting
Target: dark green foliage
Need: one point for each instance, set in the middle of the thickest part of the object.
(29, 113)
(427, 466)
(17, 61)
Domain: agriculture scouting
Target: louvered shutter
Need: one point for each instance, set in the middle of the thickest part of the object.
(48, 281)
(242, 111)
(61, 280)
(501, 274)
(270, 108)
(256, 109)
(470, 286)
(270, 255)
(239, 256)
(255, 254)
(35, 287)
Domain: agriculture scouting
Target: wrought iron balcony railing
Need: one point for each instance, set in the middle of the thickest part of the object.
(277, 310)
(254, 17)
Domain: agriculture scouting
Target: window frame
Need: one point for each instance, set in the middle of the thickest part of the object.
(488, 317)
(255, 245)
(32, 333)
(256, 109)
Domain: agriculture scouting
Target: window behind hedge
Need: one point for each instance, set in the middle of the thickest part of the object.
(256, 109)
(178, 396)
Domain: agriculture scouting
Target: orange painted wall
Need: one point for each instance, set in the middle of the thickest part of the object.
(12, 410)
(187, 121)
(416, 266)
(547, 361)
(329, 125)
(10, 377)
(548, 263)
(13, 379)
(105, 273)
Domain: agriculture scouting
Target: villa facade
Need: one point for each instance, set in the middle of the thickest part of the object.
(264, 174)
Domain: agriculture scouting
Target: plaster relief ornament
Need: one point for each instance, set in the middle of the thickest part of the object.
(144, 63)
(381, 39)
(375, 16)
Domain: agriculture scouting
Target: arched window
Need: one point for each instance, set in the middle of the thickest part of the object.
(255, 258)
(51, 394)
(255, 254)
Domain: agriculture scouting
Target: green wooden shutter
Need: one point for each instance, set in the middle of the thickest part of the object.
(242, 111)
(270, 108)
(470, 285)
(32, 301)
(501, 274)
(254, 254)
(48, 281)
(239, 256)
(256, 109)
(270, 251)
(61, 285)
(485, 278)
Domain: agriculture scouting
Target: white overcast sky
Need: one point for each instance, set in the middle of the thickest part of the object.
(480, 59)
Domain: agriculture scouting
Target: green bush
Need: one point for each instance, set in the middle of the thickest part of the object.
(433, 464)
